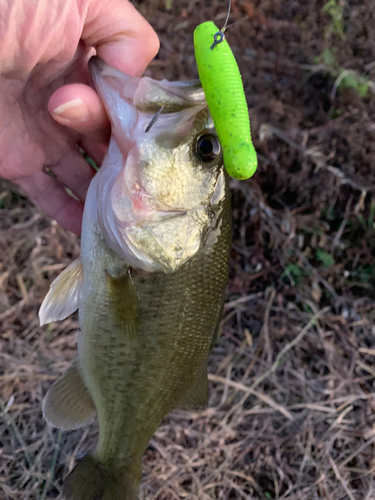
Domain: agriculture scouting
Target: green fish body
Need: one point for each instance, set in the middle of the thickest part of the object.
(150, 281)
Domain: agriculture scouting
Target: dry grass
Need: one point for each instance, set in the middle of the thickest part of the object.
(292, 404)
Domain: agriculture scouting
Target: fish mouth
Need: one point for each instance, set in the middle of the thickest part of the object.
(131, 104)
(146, 95)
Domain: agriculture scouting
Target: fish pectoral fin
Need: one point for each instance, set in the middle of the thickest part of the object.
(197, 396)
(124, 305)
(68, 404)
(64, 294)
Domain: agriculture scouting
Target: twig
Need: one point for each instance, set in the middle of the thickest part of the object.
(339, 477)
(316, 273)
(267, 131)
(12, 309)
(75, 451)
(343, 223)
(340, 418)
(366, 368)
(277, 361)
(365, 350)
(249, 390)
(53, 465)
(267, 345)
(288, 347)
(357, 452)
(241, 300)
(10, 422)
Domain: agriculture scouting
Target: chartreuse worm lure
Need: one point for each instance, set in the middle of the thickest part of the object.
(222, 84)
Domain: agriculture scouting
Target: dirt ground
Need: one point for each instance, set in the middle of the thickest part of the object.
(292, 401)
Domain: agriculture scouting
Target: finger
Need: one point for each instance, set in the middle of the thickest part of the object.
(121, 36)
(78, 106)
(74, 171)
(51, 196)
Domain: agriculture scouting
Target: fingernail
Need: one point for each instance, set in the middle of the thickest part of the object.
(72, 110)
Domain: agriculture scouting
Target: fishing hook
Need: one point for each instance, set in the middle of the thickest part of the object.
(154, 119)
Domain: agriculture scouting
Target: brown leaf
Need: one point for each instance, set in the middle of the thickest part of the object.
(248, 8)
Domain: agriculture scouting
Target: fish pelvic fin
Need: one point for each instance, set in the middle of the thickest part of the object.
(68, 404)
(89, 480)
(64, 294)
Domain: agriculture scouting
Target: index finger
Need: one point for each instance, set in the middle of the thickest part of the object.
(121, 36)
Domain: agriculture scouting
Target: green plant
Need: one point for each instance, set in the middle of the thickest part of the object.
(353, 80)
(365, 274)
(344, 78)
(294, 273)
(327, 57)
(369, 223)
(325, 258)
(336, 12)
(328, 213)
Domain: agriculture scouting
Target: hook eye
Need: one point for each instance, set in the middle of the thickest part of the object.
(218, 38)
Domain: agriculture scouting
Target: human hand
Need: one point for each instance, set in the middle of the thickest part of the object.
(44, 49)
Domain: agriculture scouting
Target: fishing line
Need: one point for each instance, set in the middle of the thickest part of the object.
(220, 35)
(227, 19)
(237, 22)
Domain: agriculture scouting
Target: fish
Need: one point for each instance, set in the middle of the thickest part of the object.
(150, 281)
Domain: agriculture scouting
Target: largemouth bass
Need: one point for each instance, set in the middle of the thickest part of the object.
(150, 281)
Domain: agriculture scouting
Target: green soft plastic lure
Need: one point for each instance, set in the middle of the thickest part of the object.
(222, 84)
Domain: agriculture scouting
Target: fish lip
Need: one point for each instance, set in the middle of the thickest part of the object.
(99, 70)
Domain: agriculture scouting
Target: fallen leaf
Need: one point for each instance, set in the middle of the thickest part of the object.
(248, 8)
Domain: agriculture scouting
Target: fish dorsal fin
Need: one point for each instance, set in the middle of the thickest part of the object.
(68, 404)
(63, 296)
(197, 396)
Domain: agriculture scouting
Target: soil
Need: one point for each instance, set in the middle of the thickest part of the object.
(292, 405)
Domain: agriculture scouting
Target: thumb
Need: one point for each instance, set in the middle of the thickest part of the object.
(120, 35)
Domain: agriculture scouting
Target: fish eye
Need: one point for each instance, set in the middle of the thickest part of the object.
(208, 147)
